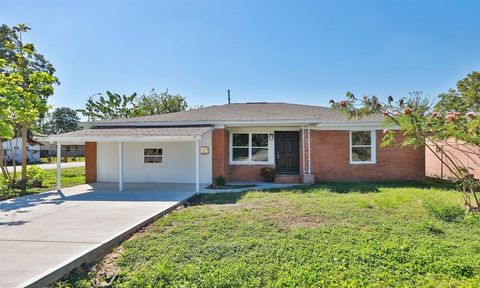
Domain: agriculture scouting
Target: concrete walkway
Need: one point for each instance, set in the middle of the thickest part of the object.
(50, 166)
(43, 236)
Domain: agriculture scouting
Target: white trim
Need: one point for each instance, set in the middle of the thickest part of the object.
(309, 153)
(285, 122)
(59, 166)
(120, 166)
(197, 166)
(373, 147)
(250, 161)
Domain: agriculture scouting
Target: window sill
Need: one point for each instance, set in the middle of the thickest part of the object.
(252, 163)
(363, 163)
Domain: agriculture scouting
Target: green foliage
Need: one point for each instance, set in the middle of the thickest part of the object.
(110, 107)
(443, 210)
(26, 83)
(154, 103)
(62, 120)
(305, 237)
(219, 181)
(36, 173)
(70, 177)
(122, 106)
(422, 123)
(465, 98)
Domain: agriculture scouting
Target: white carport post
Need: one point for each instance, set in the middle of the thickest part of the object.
(197, 165)
(59, 166)
(120, 166)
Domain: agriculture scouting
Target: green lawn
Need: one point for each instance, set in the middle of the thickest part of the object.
(70, 177)
(44, 160)
(332, 235)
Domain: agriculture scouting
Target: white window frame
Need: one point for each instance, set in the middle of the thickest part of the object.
(154, 164)
(250, 147)
(373, 147)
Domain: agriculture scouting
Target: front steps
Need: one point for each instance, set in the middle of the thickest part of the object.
(288, 179)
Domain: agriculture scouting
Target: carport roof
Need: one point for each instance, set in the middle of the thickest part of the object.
(133, 134)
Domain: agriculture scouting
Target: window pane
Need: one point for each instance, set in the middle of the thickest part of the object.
(260, 154)
(361, 138)
(240, 154)
(152, 151)
(153, 159)
(361, 154)
(259, 140)
(240, 140)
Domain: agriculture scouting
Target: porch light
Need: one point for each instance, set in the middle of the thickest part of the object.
(204, 150)
(270, 136)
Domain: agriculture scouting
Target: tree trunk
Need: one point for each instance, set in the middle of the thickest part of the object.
(24, 157)
(3, 163)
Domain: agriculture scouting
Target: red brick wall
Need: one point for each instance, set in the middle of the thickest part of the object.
(91, 162)
(220, 153)
(331, 156)
(221, 160)
(246, 172)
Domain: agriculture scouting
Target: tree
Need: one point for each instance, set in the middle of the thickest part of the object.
(62, 120)
(154, 103)
(114, 106)
(26, 84)
(423, 122)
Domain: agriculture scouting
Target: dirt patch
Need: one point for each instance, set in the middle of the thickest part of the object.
(299, 221)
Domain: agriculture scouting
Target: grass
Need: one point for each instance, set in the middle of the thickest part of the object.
(329, 235)
(70, 177)
(44, 160)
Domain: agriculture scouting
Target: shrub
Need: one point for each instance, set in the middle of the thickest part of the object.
(268, 173)
(443, 211)
(36, 173)
(219, 181)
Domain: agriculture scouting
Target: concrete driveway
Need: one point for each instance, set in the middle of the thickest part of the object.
(45, 234)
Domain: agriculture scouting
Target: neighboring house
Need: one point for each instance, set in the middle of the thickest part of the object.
(15, 145)
(303, 143)
(458, 152)
(49, 149)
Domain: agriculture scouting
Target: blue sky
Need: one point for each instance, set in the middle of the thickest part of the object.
(290, 51)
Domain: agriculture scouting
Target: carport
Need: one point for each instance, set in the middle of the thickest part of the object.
(162, 154)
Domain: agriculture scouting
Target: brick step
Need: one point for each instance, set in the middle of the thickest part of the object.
(288, 178)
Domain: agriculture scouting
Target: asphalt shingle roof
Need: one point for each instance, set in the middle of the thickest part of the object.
(248, 112)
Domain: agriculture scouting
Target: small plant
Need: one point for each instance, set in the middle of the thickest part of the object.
(443, 211)
(36, 175)
(219, 181)
(268, 173)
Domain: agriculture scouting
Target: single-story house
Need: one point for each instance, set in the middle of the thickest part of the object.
(71, 149)
(14, 146)
(303, 143)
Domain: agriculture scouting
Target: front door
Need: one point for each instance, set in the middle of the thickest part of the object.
(287, 154)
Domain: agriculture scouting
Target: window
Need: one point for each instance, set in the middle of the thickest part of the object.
(152, 155)
(249, 147)
(362, 147)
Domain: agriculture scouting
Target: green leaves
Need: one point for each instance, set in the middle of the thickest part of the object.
(123, 106)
